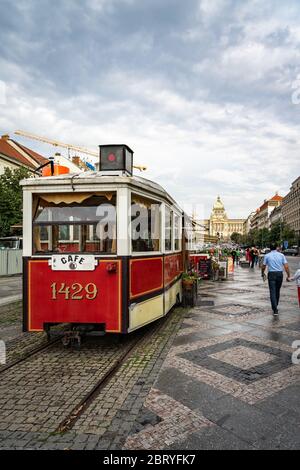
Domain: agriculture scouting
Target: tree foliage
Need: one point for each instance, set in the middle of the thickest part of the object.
(277, 234)
(11, 198)
(236, 237)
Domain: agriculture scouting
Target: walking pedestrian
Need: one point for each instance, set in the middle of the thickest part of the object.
(253, 256)
(275, 262)
(249, 257)
(296, 278)
(233, 255)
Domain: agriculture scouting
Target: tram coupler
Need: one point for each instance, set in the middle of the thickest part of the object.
(71, 337)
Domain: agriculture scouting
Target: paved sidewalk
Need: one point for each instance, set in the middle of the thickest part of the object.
(10, 289)
(228, 381)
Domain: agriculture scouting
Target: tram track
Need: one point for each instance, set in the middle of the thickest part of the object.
(29, 354)
(68, 423)
(54, 389)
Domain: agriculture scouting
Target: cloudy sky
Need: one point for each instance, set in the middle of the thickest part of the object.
(206, 92)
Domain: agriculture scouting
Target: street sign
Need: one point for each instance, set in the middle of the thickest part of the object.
(285, 244)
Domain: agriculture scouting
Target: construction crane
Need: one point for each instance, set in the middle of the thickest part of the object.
(67, 146)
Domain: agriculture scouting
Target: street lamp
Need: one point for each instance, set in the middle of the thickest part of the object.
(280, 225)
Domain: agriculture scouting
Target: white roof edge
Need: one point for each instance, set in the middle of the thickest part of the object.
(88, 178)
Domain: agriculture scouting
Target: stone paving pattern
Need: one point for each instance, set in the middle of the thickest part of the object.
(230, 365)
(213, 377)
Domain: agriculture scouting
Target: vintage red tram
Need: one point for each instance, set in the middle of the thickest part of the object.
(102, 250)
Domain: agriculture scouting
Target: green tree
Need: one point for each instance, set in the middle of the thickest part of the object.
(252, 237)
(289, 235)
(236, 237)
(263, 238)
(280, 232)
(257, 237)
(11, 198)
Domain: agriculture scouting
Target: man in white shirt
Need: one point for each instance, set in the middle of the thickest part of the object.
(276, 262)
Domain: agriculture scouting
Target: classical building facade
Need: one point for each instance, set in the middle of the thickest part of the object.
(291, 207)
(219, 225)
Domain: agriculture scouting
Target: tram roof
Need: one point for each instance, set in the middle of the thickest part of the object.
(86, 180)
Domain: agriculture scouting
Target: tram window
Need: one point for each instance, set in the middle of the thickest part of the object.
(145, 224)
(87, 226)
(75, 232)
(168, 229)
(177, 238)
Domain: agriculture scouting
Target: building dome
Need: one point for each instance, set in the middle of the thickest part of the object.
(218, 204)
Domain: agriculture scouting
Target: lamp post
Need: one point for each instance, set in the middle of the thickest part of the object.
(280, 234)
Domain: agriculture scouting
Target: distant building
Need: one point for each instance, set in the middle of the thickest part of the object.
(291, 207)
(247, 223)
(276, 215)
(14, 155)
(254, 220)
(75, 164)
(219, 225)
(261, 219)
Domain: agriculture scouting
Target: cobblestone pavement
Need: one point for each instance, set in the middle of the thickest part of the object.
(216, 376)
(18, 344)
(10, 289)
(38, 394)
(228, 381)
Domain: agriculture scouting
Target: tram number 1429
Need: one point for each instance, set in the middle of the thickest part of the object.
(74, 292)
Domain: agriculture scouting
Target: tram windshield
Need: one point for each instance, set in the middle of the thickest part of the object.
(68, 223)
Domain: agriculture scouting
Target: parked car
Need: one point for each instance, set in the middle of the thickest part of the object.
(11, 243)
(290, 252)
(264, 251)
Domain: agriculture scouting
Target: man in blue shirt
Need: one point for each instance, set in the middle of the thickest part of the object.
(276, 262)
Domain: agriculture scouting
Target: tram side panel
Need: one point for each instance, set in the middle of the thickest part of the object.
(146, 290)
(85, 297)
(173, 267)
(120, 294)
(154, 288)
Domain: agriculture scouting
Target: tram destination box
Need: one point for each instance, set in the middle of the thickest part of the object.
(116, 158)
(70, 262)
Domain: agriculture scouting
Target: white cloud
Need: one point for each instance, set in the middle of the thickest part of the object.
(2, 92)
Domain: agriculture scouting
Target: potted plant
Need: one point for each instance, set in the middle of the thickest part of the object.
(190, 284)
(188, 281)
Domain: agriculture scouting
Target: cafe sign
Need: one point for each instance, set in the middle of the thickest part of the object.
(73, 262)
